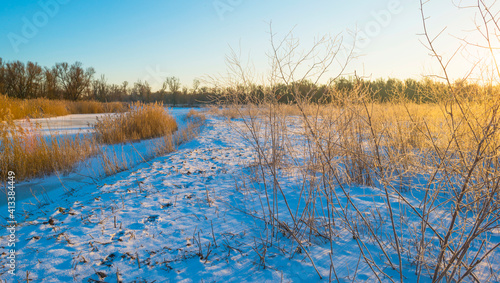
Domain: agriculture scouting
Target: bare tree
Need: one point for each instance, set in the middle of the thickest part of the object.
(100, 89)
(142, 90)
(23, 81)
(124, 88)
(2, 77)
(196, 85)
(74, 79)
(173, 85)
(15, 83)
(51, 84)
(34, 80)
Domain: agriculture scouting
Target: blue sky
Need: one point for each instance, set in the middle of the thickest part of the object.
(151, 39)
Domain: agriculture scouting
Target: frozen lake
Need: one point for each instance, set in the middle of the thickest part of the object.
(82, 123)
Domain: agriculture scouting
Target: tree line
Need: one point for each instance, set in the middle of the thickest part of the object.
(338, 90)
(62, 81)
(74, 82)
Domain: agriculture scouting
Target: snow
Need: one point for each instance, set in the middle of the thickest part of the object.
(159, 220)
(82, 123)
(64, 125)
(88, 171)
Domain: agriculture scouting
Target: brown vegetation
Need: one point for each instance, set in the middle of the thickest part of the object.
(144, 121)
(13, 108)
(30, 154)
(438, 161)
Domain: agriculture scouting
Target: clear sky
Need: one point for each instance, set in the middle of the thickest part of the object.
(152, 39)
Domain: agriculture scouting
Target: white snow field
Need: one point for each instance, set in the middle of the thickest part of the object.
(88, 171)
(189, 216)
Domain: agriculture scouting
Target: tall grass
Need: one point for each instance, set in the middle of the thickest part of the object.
(41, 107)
(195, 116)
(434, 170)
(162, 145)
(447, 154)
(144, 121)
(92, 107)
(30, 154)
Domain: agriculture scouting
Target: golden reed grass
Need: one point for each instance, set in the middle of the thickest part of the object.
(144, 121)
(42, 107)
(30, 154)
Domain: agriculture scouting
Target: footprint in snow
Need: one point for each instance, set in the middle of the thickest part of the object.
(165, 205)
(108, 261)
(152, 218)
(117, 236)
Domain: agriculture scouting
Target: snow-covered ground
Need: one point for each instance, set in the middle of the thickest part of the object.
(157, 206)
(188, 216)
(86, 172)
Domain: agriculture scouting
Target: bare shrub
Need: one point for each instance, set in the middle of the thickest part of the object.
(437, 161)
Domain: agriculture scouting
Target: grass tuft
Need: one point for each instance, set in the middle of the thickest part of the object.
(144, 121)
(195, 116)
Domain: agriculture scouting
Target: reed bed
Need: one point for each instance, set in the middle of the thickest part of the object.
(12, 108)
(144, 121)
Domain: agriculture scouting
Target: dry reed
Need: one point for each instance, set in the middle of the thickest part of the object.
(144, 121)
